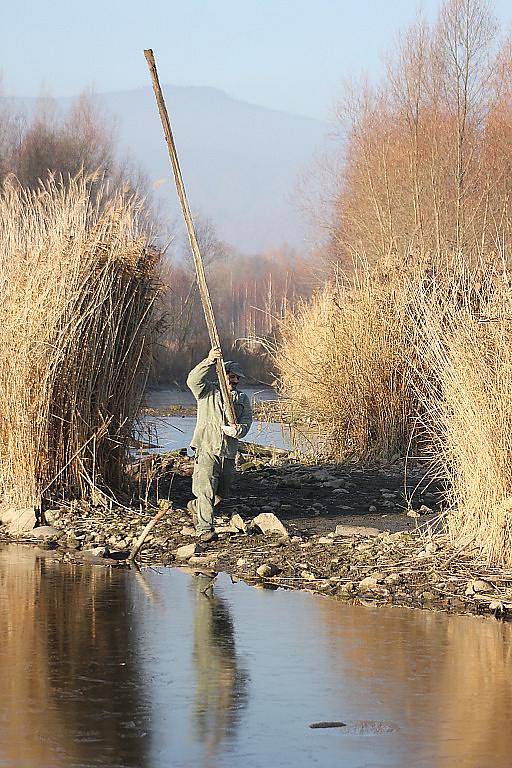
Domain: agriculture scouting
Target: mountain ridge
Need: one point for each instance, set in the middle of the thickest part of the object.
(241, 162)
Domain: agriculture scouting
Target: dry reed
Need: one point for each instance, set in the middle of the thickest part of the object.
(425, 360)
(77, 289)
(341, 366)
(464, 339)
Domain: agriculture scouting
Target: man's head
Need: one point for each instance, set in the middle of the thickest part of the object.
(234, 373)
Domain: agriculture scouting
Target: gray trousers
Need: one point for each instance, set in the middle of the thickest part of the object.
(213, 476)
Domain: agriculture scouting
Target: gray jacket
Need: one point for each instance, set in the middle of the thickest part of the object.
(208, 434)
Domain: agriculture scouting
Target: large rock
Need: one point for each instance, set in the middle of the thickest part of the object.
(267, 570)
(17, 521)
(478, 586)
(268, 523)
(46, 532)
(185, 552)
(356, 530)
(369, 584)
(238, 523)
(51, 516)
(202, 559)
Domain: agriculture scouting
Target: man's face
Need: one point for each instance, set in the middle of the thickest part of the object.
(233, 380)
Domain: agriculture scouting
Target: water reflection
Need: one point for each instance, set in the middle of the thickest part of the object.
(446, 678)
(68, 676)
(221, 682)
(118, 669)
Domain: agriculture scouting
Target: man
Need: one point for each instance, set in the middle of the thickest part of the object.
(215, 440)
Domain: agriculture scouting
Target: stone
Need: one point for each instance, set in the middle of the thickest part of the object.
(185, 552)
(267, 570)
(321, 475)
(95, 552)
(478, 586)
(17, 520)
(241, 561)
(497, 607)
(307, 576)
(346, 589)
(188, 530)
(372, 509)
(424, 510)
(46, 532)
(413, 513)
(334, 484)
(368, 584)
(238, 522)
(51, 516)
(269, 523)
(325, 540)
(201, 559)
(356, 530)
(225, 529)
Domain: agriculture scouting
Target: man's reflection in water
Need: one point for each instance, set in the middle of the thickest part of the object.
(221, 684)
(68, 668)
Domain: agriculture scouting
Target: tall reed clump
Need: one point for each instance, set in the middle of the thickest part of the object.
(77, 289)
(464, 338)
(341, 366)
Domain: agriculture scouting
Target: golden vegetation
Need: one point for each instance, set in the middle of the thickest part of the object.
(464, 335)
(341, 364)
(420, 333)
(77, 291)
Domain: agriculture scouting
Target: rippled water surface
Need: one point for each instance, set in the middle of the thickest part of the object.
(109, 668)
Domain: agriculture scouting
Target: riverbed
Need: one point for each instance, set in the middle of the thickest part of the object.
(115, 668)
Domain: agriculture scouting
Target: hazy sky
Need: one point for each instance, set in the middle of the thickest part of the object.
(285, 54)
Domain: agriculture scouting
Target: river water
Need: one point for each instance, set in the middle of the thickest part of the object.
(172, 432)
(122, 669)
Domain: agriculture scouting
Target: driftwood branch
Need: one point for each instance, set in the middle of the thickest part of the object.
(142, 538)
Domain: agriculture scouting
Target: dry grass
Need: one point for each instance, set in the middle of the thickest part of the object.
(425, 360)
(77, 288)
(341, 366)
(465, 340)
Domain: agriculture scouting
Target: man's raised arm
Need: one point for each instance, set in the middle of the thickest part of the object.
(198, 379)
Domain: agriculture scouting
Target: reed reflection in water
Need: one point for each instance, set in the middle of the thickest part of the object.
(447, 679)
(71, 693)
(121, 669)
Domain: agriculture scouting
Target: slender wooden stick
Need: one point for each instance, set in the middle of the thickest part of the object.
(198, 262)
(140, 541)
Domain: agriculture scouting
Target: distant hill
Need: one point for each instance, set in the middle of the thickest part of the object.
(240, 162)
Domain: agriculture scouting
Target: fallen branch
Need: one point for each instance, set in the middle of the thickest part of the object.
(142, 538)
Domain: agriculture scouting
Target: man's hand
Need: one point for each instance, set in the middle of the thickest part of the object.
(214, 355)
(229, 431)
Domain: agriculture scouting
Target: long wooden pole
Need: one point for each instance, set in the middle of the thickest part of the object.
(196, 253)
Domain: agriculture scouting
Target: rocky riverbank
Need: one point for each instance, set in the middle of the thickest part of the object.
(350, 533)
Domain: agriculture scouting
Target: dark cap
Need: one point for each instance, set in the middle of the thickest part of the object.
(230, 366)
